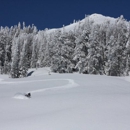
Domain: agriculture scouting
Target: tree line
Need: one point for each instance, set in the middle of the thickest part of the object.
(89, 48)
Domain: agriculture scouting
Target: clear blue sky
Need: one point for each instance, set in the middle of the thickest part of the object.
(56, 13)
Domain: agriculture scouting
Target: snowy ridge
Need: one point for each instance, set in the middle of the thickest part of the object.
(99, 19)
(96, 18)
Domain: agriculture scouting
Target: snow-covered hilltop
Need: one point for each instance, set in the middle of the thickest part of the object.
(95, 18)
(94, 45)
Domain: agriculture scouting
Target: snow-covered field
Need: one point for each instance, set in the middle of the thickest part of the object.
(64, 102)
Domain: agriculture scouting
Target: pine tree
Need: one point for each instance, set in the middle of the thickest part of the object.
(15, 59)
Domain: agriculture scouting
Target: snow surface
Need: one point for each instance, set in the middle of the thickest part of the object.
(65, 102)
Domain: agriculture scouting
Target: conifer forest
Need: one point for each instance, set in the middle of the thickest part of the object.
(88, 48)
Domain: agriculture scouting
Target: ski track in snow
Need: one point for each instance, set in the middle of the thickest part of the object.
(71, 83)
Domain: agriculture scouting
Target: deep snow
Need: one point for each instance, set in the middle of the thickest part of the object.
(65, 102)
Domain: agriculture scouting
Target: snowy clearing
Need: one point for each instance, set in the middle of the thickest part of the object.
(65, 102)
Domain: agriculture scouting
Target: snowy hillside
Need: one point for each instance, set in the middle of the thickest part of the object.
(96, 18)
(64, 102)
(95, 45)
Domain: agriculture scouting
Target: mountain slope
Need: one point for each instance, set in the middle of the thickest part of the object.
(65, 101)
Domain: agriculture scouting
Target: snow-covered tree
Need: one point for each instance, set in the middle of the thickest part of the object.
(15, 59)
